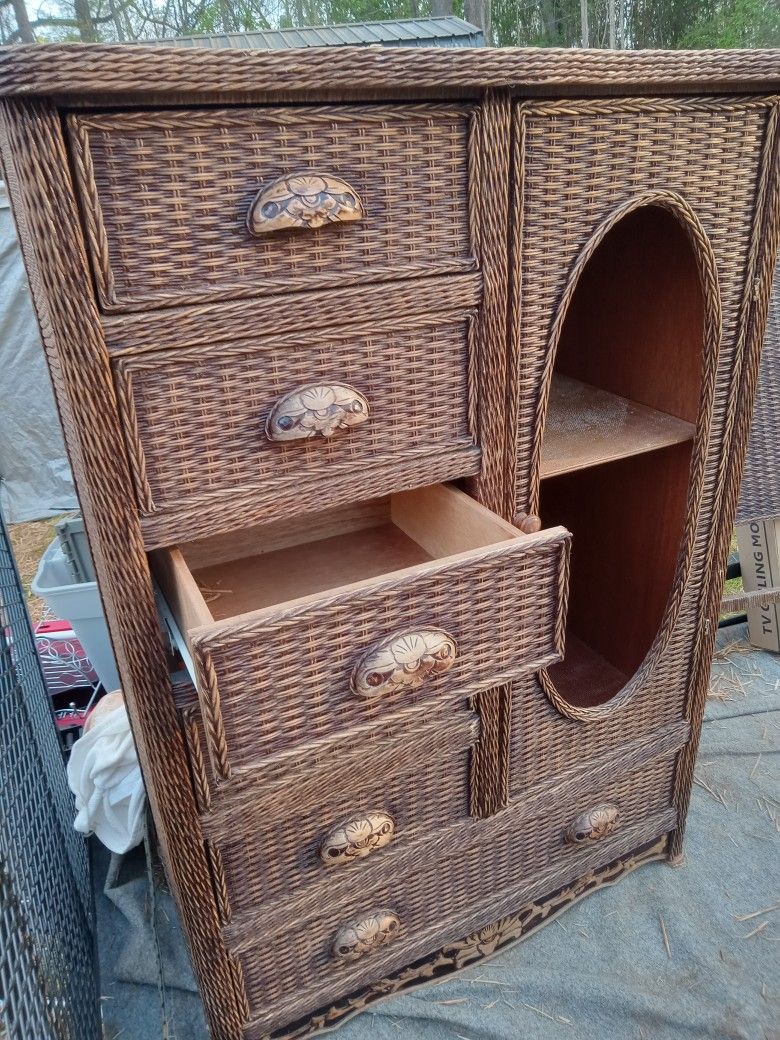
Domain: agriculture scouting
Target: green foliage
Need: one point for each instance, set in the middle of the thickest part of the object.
(735, 23)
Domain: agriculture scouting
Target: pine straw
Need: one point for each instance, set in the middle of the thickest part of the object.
(726, 683)
(28, 542)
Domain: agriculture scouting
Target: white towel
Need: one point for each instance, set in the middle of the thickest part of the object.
(104, 776)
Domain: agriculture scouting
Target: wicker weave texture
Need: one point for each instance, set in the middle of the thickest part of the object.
(282, 676)
(760, 492)
(433, 887)
(270, 841)
(194, 420)
(140, 71)
(166, 198)
(699, 149)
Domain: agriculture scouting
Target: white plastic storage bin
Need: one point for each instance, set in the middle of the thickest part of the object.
(79, 604)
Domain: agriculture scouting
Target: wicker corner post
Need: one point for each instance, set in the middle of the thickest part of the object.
(283, 298)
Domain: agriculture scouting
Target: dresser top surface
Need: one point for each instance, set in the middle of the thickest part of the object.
(98, 74)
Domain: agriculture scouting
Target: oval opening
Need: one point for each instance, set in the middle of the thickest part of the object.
(618, 443)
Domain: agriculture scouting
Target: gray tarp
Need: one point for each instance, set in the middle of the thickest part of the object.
(603, 970)
(35, 478)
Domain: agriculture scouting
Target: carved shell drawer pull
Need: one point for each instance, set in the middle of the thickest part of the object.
(316, 410)
(596, 823)
(360, 938)
(357, 838)
(303, 201)
(403, 661)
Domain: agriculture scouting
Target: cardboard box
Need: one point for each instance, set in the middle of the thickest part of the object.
(759, 557)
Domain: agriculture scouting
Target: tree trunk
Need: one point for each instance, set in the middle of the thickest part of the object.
(26, 34)
(84, 22)
(478, 13)
(441, 8)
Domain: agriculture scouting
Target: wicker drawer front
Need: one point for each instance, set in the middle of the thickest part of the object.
(205, 426)
(441, 889)
(167, 195)
(480, 605)
(335, 812)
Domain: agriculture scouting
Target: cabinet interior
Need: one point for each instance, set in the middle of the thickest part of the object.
(618, 442)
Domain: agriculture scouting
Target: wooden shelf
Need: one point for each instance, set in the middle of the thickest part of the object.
(587, 426)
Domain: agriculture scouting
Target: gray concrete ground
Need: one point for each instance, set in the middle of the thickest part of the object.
(604, 970)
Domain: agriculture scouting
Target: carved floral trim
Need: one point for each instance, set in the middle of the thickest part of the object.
(403, 661)
(303, 201)
(360, 938)
(317, 409)
(357, 838)
(593, 825)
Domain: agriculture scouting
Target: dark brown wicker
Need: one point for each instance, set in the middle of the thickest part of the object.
(220, 469)
(436, 894)
(282, 677)
(489, 179)
(270, 831)
(166, 200)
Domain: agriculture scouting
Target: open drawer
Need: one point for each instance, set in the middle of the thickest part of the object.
(303, 629)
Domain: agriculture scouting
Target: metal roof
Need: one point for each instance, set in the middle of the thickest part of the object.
(407, 32)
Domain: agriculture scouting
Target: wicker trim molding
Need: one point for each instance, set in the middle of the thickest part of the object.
(200, 780)
(478, 947)
(177, 328)
(702, 248)
(78, 69)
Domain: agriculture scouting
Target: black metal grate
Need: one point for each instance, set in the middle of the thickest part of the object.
(48, 983)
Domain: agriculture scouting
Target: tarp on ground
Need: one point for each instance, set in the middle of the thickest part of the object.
(35, 479)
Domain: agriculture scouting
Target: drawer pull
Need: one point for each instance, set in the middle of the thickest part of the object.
(359, 938)
(403, 661)
(303, 200)
(357, 838)
(316, 410)
(596, 823)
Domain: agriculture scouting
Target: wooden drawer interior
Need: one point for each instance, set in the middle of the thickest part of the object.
(278, 618)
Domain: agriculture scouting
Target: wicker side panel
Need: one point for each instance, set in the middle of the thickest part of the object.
(760, 493)
(271, 837)
(270, 680)
(166, 198)
(710, 152)
(194, 421)
(35, 165)
(755, 303)
(464, 873)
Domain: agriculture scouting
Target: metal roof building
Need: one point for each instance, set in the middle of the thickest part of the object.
(406, 32)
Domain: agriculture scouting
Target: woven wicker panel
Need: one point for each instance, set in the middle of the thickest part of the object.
(760, 493)
(439, 884)
(166, 196)
(270, 838)
(280, 676)
(710, 152)
(194, 421)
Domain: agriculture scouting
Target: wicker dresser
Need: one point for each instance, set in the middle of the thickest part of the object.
(412, 387)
